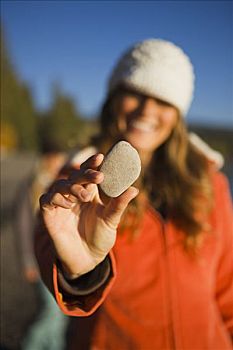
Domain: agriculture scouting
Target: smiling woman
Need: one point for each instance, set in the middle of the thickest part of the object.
(143, 121)
(155, 261)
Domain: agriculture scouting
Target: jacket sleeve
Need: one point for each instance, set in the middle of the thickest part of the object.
(224, 280)
(73, 299)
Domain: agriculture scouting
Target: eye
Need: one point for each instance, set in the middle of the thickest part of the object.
(134, 95)
(163, 103)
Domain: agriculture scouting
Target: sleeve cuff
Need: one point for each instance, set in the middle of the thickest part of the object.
(87, 283)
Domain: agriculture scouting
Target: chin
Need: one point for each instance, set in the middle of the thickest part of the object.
(142, 148)
(141, 144)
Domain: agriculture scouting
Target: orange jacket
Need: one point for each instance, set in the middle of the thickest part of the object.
(158, 296)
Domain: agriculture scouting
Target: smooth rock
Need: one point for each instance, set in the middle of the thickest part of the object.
(121, 168)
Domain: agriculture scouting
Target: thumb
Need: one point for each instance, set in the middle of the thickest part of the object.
(116, 206)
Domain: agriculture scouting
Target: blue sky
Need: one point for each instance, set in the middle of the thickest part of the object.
(76, 44)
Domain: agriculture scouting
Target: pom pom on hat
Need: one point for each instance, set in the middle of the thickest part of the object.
(157, 68)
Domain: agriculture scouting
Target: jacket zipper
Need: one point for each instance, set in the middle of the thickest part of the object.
(169, 303)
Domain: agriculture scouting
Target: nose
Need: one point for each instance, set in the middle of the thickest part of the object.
(149, 108)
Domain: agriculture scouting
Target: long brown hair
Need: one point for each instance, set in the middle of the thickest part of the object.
(177, 179)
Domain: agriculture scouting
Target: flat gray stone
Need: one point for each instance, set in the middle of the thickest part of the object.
(121, 168)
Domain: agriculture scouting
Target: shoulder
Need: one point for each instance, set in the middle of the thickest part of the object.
(220, 182)
(222, 202)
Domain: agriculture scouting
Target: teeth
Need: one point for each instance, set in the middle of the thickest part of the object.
(144, 126)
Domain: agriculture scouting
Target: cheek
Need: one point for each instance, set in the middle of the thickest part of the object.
(170, 119)
(129, 104)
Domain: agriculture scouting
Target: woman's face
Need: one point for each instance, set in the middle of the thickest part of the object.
(145, 122)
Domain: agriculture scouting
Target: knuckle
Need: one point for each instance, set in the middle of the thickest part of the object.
(76, 175)
(73, 198)
(73, 176)
(75, 188)
(43, 200)
(56, 197)
(59, 185)
(117, 207)
(56, 183)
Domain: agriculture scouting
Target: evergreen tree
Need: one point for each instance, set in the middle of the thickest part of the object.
(62, 123)
(17, 108)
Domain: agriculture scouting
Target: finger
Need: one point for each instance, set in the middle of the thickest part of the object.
(71, 188)
(74, 192)
(85, 193)
(90, 187)
(86, 176)
(80, 193)
(116, 207)
(51, 201)
(61, 186)
(93, 162)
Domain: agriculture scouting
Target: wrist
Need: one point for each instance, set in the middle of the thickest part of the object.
(86, 283)
(71, 275)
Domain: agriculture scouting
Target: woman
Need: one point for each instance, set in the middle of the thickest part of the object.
(153, 269)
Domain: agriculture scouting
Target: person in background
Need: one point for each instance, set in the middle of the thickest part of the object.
(152, 268)
(49, 329)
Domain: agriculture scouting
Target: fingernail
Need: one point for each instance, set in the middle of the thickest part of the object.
(98, 155)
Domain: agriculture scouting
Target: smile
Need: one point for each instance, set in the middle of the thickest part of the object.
(143, 126)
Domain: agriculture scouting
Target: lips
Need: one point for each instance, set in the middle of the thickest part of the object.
(144, 126)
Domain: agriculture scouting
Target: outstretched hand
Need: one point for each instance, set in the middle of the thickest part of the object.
(81, 226)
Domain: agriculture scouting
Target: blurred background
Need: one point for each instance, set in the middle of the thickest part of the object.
(56, 57)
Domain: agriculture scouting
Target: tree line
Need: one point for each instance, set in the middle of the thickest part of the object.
(24, 127)
(62, 126)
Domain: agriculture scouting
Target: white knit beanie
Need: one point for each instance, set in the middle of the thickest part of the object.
(157, 68)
